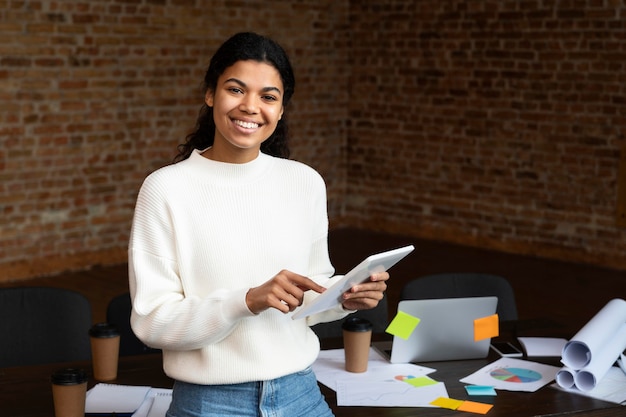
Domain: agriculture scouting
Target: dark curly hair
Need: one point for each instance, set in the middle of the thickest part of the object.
(242, 47)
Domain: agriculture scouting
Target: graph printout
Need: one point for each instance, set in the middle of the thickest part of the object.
(513, 375)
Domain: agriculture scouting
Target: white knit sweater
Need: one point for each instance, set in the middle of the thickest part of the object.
(204, 233)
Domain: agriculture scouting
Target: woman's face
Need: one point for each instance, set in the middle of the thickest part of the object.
(247, 105)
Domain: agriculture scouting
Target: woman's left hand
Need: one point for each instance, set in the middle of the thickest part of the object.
(367, 294)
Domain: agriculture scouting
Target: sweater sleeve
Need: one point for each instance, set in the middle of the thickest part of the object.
(163, 315)
(321, 269)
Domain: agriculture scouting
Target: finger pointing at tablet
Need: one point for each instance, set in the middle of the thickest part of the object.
(284, 292)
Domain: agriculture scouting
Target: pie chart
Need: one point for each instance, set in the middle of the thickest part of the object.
(518, 375)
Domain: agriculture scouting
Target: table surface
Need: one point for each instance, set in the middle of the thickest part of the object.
(25, 391)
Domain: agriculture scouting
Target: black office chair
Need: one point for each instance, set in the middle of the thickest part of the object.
(118, 313)
(464, 285)
(378, 316)
(43, 325)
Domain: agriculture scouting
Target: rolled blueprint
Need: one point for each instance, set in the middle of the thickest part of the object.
(587, 378)
(592, 338)
(565, 377)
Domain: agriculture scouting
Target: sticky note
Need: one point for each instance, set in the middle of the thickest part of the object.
(474, 407)
(486, 327)
(420, 381)
(448, 403)
(480, 390)
(402, 325)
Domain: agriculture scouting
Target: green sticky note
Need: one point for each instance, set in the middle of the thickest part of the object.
(402, 325)
(420, 381)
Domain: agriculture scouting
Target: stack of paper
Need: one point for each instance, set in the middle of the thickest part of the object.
(127, 400)
(382, 385)
(542, 346)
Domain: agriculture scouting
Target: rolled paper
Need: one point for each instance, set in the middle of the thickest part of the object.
(565, 377)
(591, 339)
(587, 378)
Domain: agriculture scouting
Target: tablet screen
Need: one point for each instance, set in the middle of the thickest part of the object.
(379, 262)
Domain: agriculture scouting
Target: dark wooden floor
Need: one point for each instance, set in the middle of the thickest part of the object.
(565, 292)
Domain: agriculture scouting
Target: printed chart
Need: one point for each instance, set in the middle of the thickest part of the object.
(516, 375)
(513, 375)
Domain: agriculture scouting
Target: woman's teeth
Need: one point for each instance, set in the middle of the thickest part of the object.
(246, 125)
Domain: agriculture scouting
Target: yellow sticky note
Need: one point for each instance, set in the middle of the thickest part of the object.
(402, 325)
(486, 327)
(448, 403)
(420, 381)
(474, 407)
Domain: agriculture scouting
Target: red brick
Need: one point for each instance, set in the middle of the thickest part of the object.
(491, 123)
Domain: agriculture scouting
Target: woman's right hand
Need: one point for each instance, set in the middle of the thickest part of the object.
(284, 292)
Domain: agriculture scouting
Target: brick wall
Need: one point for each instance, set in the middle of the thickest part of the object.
(490, 123)
(94, 95)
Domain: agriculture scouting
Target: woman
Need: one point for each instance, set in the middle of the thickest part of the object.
(230, 240)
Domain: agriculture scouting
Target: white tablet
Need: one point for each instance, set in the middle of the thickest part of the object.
(370, 265)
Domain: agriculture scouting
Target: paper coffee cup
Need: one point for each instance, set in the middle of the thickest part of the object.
(69, 390)
(357, 336)
(105, 350)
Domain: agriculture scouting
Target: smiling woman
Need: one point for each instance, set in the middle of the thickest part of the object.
(247, 105)
(257, 51)
(231, 239)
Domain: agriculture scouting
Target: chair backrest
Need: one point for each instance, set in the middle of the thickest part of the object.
(378, 316)
(464, 285)
(118, 313)
(43, 325)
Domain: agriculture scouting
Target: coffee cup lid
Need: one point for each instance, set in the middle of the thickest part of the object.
(69, 376)
(104, 330)
(357, 324)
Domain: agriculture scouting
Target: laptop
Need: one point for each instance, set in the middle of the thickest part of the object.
(445, 331)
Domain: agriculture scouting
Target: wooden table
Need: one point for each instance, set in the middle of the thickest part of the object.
(25, 391)
(546, 401)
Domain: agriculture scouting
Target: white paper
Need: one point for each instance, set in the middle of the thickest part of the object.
(621, 362)
(160, 405)
(112, 398)
(379, 262)
(595, 348)
(543, 346)
(590, 340)
(387, 394)
(329, 369)
(146, 406)
(611, 388)
(513, 375)
(587, 378)
(565, 377)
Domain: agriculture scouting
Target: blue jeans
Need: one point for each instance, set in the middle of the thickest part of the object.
(295, 395)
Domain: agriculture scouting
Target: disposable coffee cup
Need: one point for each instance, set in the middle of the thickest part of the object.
(69, 390)
(105, 350)
(357, 336)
